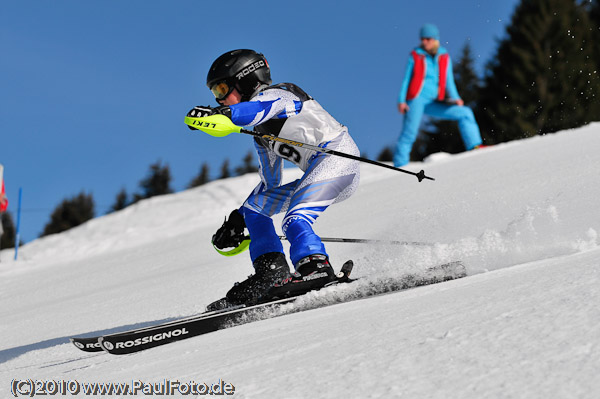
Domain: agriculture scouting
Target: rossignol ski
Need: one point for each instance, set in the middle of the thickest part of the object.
(148, 337)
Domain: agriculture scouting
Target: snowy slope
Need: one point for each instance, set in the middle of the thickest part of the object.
(523, 216)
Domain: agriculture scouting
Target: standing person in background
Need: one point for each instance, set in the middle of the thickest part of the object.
(428, 88)
(3, 200)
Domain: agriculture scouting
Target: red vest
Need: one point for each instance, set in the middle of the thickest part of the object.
(418, 75)
(4, 205)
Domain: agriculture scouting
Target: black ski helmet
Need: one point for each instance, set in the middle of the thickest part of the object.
(245, 70)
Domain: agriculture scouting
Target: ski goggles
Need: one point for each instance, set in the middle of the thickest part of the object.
(221, 90)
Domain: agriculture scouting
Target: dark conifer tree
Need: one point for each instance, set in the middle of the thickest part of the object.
(225, 173)
(248, 165)
(202, 178)
(386, 155)
(69, 213)
(539, 81)
(158, 182)
(593, 9)
(121, 202)
(9, 235)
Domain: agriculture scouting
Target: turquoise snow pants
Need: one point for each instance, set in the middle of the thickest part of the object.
(469, 130)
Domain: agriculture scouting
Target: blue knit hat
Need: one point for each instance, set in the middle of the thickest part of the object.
(430, 30)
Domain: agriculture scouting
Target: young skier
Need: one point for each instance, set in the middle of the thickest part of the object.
(241, 83)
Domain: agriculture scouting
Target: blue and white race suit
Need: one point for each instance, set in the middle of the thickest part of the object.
(284, 110)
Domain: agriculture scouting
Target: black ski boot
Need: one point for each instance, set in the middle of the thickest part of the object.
(312, 272)
(271, 268)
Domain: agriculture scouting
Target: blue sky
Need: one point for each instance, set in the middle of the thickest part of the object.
(94, 92)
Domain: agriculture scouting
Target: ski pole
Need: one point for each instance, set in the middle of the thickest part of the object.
(420, 175)
(370, 241)
(245, 244)
(221, 126)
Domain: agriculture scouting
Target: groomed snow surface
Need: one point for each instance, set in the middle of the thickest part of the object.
(524, 218)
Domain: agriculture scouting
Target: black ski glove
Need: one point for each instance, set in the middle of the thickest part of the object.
(231, 233)
(204, 110)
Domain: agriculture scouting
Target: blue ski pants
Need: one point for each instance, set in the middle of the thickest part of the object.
(328, 179)
(469, 130)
